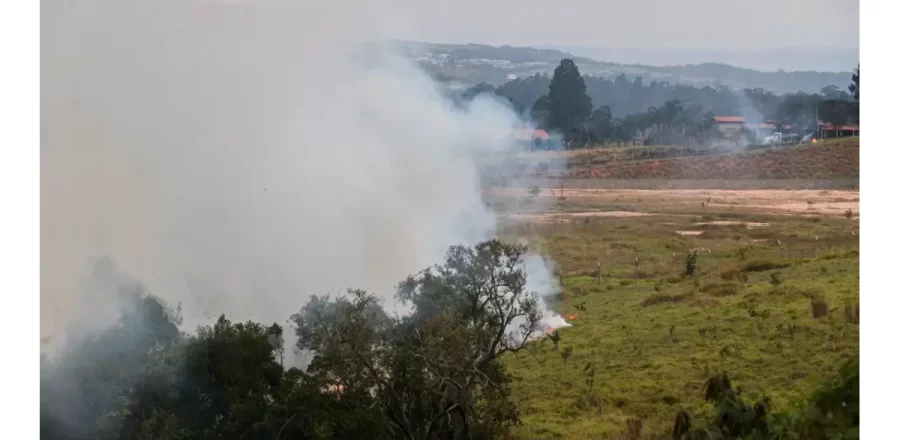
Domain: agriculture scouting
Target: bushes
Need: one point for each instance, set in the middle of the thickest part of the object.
(764, 265)
(851, 312)
(662, 298)
(831, 412)
(690, 263)
(721, 289)
(734, 274)
(819, 306)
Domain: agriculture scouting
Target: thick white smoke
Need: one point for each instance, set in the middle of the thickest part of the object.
(240, 157)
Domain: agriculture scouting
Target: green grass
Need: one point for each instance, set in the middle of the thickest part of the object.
(653, 336)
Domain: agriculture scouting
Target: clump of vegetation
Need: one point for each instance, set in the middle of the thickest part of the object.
(534, 191)
(661, 298)
(682, 428)
(764, 265)
(819, 306)
(851, 312)
(635, 428)
(690, 263)
(734, 274)
(720, 289)
(831, 412)
(554, 337)
(566, 353)
(776, 279)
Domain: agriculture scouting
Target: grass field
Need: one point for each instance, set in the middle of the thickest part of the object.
(653, 335)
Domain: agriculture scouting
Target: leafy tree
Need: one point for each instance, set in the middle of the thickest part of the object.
(570, 104)
(525, 91)
(839, 112)
(142, 378)
(854, 85)
(601, 123)
(436, 372)
(468, 95)
(230, 374)
(540, 111)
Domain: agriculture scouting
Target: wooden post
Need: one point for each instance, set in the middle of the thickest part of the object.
(817, 246)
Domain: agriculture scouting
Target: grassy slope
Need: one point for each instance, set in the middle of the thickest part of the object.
(825, 160)
(646, 372)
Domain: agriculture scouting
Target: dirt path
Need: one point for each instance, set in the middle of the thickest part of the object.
(818, 202)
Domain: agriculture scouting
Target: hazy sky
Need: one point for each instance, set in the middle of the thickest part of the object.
(689, 24)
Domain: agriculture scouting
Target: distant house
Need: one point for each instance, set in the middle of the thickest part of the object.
(534, 137)
(829, 130)
(761, 130)
(729, 126)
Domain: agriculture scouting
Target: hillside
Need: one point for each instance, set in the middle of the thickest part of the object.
(475, 63)
(825, 160)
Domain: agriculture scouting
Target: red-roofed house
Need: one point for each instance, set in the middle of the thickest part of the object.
(729, 126)
(729, 119)
(829, 130)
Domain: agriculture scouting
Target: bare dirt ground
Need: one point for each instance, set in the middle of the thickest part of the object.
(795, 202)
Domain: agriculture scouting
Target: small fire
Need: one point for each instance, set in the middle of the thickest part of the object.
(571, 317)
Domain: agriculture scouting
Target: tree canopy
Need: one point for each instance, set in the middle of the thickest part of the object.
(436, 372)
(569, 102)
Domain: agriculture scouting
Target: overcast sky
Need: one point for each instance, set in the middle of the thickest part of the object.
(687, 24)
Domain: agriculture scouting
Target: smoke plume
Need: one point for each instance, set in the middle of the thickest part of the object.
(238, 157)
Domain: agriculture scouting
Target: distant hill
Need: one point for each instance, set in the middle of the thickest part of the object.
(768, 60)
(470, 64)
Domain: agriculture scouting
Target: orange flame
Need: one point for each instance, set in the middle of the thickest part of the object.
(571, 317)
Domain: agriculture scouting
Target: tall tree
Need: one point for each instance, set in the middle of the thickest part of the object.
(435, 373)
(854, 84)
(570, 104)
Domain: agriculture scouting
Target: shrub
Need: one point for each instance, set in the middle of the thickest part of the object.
(851, 312)
(734, 274)
(819, 306)
(764, 265)
(775, 279)
(720, 289)
(635, 427)
(566, 353)
(661, 298)
(690, 263)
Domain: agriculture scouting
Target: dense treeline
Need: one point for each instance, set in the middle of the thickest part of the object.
(436, 373)
(594, 110)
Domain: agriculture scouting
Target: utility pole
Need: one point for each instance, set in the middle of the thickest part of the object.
(817, 122)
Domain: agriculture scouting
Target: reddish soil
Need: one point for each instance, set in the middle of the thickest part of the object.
(825, 160)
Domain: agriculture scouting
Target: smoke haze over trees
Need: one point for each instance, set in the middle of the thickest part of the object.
(626, 108)
(473, 63)
(436, 372)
